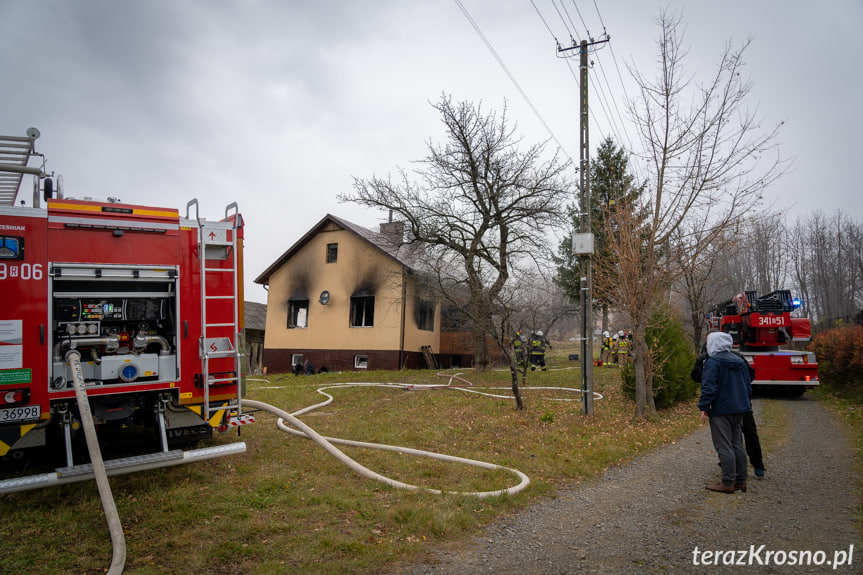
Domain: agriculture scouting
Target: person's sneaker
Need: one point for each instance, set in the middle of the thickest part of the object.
(759, 473)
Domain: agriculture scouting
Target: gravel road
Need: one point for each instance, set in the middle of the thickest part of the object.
(649, 516)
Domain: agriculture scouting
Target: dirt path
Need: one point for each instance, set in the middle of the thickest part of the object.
(649, 516)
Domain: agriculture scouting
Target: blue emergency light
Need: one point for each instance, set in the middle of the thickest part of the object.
(10, 248)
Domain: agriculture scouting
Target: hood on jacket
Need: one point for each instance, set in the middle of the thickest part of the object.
(718, 341)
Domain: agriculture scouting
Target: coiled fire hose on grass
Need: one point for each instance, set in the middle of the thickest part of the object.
(327, 443)
(289, 423)
(118, 539)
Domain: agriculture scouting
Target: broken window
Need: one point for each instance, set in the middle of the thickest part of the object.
(362, 311)
(425, 314)
(332, 253)
(298, 313)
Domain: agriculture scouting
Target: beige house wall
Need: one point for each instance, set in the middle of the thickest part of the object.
(360, 269)
(415, 338)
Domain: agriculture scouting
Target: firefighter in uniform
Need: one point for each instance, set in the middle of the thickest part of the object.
(518, 344)
(538, 343)
(623, 343)
(606, 348)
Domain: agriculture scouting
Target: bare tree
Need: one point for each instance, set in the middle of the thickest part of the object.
(530, 302)
(796, 251)
(701, 280)
(703, 151)
(826, 255)
(749, 256)
(473, 207)
(757, 260)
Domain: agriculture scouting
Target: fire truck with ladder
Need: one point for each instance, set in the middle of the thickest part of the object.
(759, 326)
(142, 305)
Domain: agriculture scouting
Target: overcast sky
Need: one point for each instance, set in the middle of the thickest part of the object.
(278, 104)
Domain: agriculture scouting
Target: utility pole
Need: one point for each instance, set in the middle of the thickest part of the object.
(582, 243)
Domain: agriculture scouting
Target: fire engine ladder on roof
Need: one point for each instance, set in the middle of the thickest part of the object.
(218, 241)
(15, 152)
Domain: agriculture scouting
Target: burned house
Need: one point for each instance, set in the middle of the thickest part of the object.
(344, 297)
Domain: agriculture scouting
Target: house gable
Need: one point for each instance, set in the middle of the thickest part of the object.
(343, 292)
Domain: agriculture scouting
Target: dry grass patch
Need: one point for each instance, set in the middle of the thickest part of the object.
(288, 506)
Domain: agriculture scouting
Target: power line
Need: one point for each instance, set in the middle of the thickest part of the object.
(586, 29)
(547, 27)
(622, 83)
(511, 77)
(619, 134)
(598, 14)
(604, 94)
(562, 19)
(616, 115)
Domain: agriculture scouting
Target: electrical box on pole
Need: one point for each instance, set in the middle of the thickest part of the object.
(582, 242)
(586, 258)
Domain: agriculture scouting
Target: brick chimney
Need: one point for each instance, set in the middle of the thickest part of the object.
(394, 232)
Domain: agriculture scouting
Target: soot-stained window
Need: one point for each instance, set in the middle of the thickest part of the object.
(298, 313)
(362, 311)
(425, 314)
(332, 253)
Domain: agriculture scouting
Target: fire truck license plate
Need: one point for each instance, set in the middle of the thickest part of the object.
(20, 413)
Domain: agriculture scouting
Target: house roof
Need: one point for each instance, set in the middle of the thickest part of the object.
(384, 243)
(255, 315)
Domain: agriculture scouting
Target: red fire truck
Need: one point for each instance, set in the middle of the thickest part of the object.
(150, 300)
(760, 325)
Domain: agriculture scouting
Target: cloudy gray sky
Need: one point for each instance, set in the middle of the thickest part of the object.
(278, 104)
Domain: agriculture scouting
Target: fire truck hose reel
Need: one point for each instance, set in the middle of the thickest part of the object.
(118, 539)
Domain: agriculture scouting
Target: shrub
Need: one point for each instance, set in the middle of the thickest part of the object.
(840, 357)
(673, 357)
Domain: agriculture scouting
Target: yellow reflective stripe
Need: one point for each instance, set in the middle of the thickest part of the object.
(161, 214)
(80, 207)
(135, 211)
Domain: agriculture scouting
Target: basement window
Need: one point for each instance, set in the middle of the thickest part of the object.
(332, 253)
(363, 311)
(298, 313)
(361, 361)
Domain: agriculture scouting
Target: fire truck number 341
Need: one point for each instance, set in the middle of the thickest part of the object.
(23, 271)
(770, 320)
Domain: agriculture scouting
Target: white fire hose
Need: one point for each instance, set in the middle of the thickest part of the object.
(118, 539)
(328, 443)
(118, 561)
(304, 430)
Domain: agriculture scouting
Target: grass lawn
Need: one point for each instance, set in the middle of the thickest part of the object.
(287, 506)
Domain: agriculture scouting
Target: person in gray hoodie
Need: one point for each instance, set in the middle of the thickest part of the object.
(725, 397)
(750, 429)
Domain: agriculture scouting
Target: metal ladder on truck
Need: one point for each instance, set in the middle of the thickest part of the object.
(218, 241)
